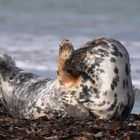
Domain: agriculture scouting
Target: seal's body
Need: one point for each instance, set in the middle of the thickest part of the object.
(27, 95)
(94, 80)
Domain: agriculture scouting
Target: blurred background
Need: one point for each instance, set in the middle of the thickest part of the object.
(31, 30)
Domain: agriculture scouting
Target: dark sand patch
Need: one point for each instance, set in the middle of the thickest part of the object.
(68, 128)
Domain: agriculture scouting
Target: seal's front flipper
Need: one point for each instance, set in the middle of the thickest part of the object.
(66, 51)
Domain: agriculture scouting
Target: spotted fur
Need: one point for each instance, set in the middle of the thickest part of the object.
(105, 64)
(94, 80)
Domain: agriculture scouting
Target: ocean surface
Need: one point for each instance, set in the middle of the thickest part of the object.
(31, 30)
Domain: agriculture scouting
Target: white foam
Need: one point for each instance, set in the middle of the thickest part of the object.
(136, 83)
(34, 66)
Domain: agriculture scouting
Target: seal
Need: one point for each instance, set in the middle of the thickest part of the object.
(94, 80)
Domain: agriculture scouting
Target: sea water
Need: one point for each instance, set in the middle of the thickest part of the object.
(31, 30)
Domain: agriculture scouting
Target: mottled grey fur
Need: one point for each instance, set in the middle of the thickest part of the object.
(104, 91)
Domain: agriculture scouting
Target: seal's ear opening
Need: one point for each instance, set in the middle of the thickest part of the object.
(66, 78)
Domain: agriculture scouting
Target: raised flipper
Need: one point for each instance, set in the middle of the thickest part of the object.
(66, 78)
(65, 52)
